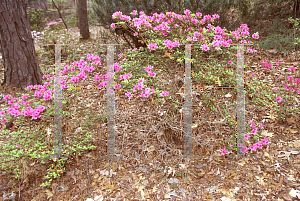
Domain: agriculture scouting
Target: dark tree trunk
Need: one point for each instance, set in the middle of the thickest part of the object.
(83, 19)
(17, 48)
(296, 8)
(77, 15)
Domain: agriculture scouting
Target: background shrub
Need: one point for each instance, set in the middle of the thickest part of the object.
(36, 19)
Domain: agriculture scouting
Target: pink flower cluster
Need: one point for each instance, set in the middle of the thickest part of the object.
(267, 65)
(164, 27)
(255, 145)
(14, 110)
(290, 78)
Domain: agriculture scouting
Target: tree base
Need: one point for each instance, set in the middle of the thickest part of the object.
(83, 39)
(14, 91)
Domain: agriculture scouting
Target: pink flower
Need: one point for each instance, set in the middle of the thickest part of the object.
(204, 47)
(247, 136)
(52, 23)
(117, 86)
(134, 12)
(278, 99)
(121, 77)
(152, 74)
(194, 21)
(223, 151)
(275, 89)
(148, 69)
(97, 79)
(291, 69)
(265, 141)
(7, 97)
(25, 113)
(152, 46)
(165, 93)
(128, 94)
(269, 66)
(245, 149)
(186, 12)
(253, 147)
(290, 78)
(230, 62)
(116, 14)
(264, 63)
(259, 145)
(216, 16)
(278, 63)
(188, 38)
(198, 14)
(140, 86)
(261, 126)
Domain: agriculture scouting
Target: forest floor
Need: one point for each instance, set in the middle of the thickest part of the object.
(149, 139)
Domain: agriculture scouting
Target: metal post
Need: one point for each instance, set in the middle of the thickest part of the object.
(240, 128)
(187, 109)
(110, 103)
(57, 104)
(240, 102)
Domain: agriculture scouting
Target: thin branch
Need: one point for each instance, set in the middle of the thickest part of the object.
(60, 15)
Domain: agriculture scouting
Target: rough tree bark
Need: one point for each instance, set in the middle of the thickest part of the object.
(83, 19)
(17, 48)
(296, 8)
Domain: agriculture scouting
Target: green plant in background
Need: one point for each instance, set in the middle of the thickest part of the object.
(71, 19)
(295, 23)
(35, 145)
(52, 34)
(36, 19)
(279, 38)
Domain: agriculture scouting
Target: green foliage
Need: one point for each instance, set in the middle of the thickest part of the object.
(36, 19)
(71, 19)
(34, 145)
(269, 18)
(278, 38)
(60, 2)
(103, 9)
(296, 23)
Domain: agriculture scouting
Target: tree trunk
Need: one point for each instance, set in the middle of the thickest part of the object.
(296, 8)
(83, 19)
(77, 15)
(17, 48)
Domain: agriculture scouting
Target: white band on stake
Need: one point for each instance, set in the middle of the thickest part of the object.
(58, 104)
(110, 102)
(187, 109)
(110, 109)
(240, 101)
